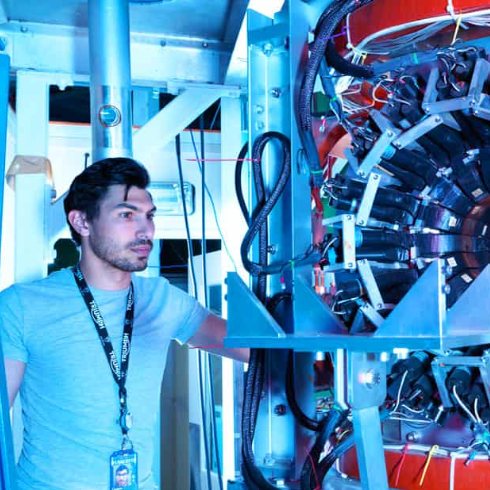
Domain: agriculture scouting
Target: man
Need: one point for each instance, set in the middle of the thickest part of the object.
(87, 347)
(122, 476)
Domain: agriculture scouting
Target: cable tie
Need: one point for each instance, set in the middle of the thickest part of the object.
(415, 58)
(400, 463)
(456, 30)
(316, 172)
(450, 9)
(292, 264)
(433, 449)
(471, 457)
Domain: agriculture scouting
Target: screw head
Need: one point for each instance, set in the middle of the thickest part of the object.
(361, 222)
(389, 133)
(371, 378)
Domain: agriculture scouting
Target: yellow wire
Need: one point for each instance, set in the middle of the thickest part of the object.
(433, 449)
(456, 30)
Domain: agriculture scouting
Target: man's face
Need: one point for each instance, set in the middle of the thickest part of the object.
(122, 234)
(122, 478)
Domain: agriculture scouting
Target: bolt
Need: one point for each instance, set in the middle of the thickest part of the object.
(163, 43)
(205, 44)
(389, 133)
(397, 144)
(361, 173)
(379, 306)
(280, 409)
(24, 29)
(413, 437)
(384, 357)
(349, 217)
(258, 109)
(446, 289)
(437, 119)
(427, 109)
(371, 378)
(350, 265)
(259, 125)
(276, 92)
(272, 249)
(472, 102)
(361, 222)
(375, 176)
(267, 49)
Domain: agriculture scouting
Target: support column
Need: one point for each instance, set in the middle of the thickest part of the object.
(366, 385)
(234, 228)
(32, 195)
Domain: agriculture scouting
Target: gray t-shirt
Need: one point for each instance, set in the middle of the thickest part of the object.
(69, 398)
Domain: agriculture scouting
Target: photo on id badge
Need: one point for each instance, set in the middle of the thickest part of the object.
(124, 471)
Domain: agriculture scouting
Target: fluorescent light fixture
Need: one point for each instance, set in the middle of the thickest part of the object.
(167, 198)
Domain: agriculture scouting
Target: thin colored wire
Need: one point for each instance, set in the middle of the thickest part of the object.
(433, 449)
(475, 409)
(214, 208)
(463, 406)
(206, 303)
(318, 487)
(400, 392)
(193, 272)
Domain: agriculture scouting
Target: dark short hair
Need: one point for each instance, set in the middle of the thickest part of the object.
(122, 467)
(90, 187)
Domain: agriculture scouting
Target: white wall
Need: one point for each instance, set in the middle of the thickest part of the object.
(8, 230)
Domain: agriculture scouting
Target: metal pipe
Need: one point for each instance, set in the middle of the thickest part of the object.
(110, 79)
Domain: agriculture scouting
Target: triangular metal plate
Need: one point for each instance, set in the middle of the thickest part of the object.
(311, 314)
(422, 311)
(247, 316)
(471, 313)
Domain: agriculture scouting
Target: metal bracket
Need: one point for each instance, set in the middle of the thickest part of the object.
(348, 239)
(370, 284)
(415, 132)
(471, 101)
(247, 313)
(368, 198)
(380, 148)
(371, 314)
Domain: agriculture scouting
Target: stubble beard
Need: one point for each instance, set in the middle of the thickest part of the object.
(109, 252)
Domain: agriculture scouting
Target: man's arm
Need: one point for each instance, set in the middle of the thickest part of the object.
(14, 371)
(210, 337)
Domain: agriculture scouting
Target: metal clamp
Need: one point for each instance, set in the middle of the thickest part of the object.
(368, 198)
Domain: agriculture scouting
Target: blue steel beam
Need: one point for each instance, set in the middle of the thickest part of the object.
(7, 464)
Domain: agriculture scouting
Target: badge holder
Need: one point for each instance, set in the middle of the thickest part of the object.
(124, 463)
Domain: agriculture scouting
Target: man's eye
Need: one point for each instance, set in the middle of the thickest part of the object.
(126, 214)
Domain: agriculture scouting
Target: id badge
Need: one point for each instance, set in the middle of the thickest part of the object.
(124, 470)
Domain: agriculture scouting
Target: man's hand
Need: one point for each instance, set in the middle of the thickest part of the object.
(14, 371)
(210, 337)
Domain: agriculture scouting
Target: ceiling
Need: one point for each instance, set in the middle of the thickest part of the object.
(214, 20)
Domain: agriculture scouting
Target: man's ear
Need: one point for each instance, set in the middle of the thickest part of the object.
(79, 221)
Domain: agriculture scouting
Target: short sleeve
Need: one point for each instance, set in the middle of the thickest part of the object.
(194, 314)
(12, 325)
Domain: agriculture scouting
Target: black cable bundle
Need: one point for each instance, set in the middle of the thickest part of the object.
(264, 207)
(299, 415)
(238, 182)
(326, 26)
(309, 473)
(256, 370)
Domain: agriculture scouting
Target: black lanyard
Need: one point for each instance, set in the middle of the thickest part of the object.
(119, 373)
